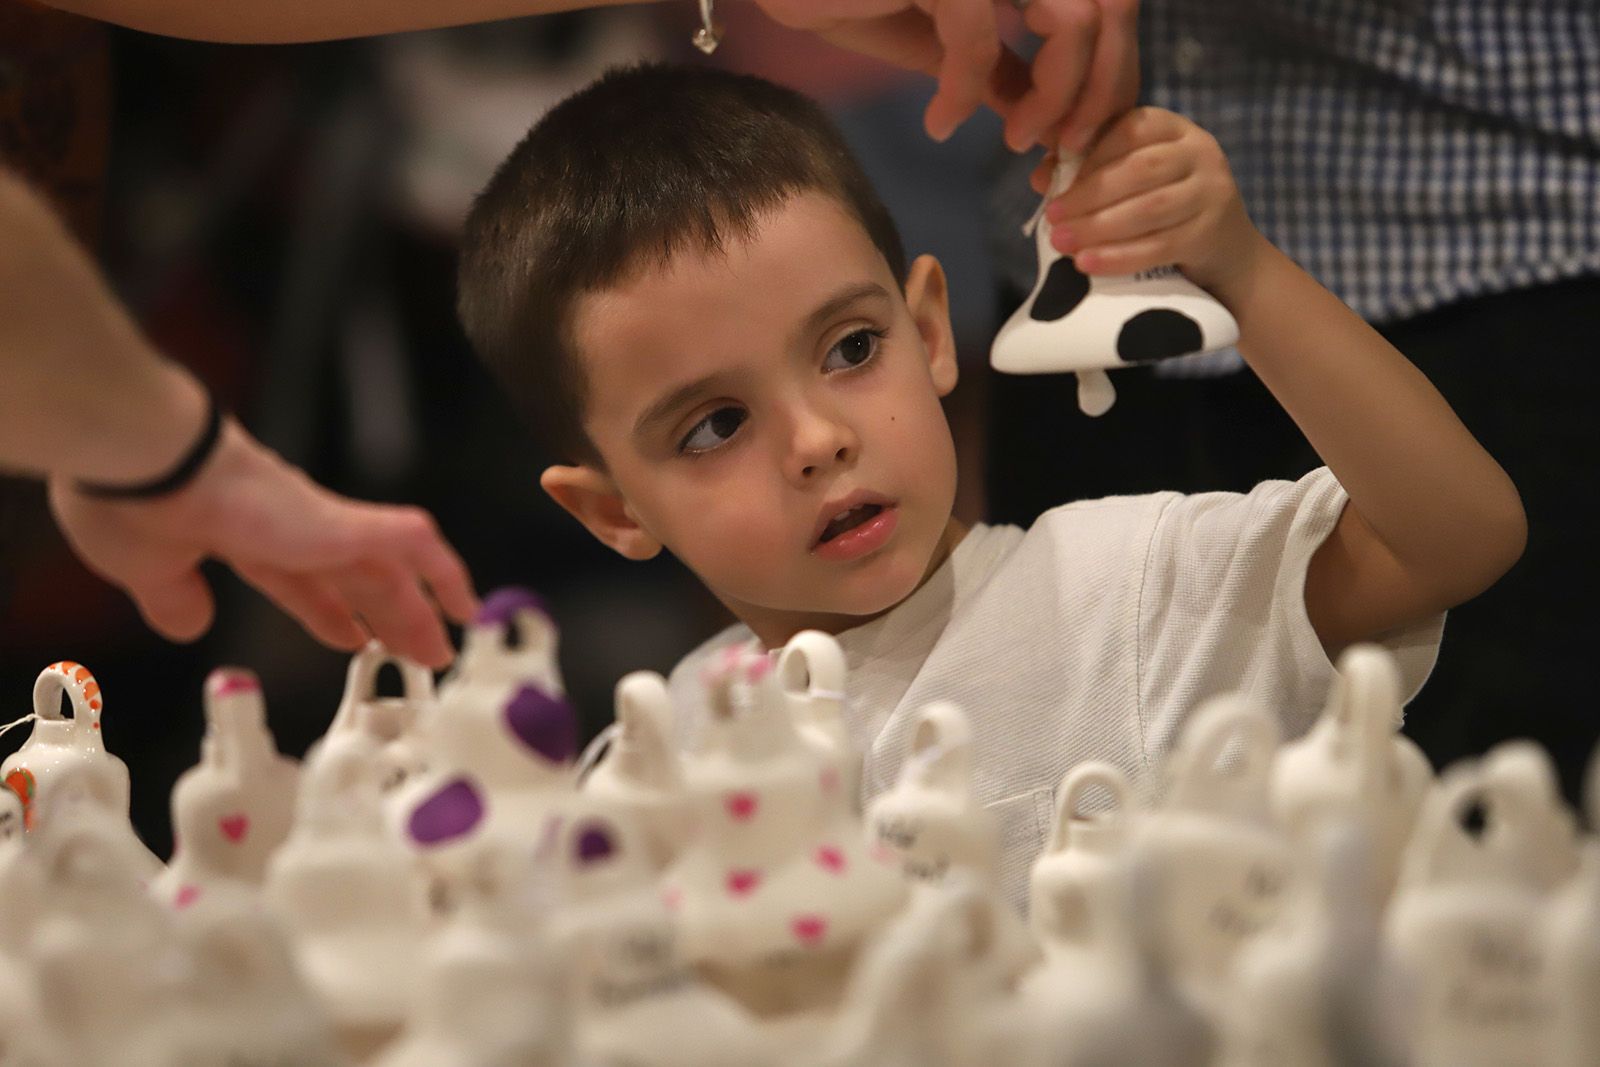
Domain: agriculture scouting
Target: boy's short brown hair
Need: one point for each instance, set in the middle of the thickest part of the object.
(624, 174)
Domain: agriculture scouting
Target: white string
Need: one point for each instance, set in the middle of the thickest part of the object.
(596, 749)
(8, 727)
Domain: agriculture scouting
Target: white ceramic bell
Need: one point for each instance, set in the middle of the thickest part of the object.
(490, 991)
(636, 1000)
(1074, 322)
(234, 808)
(931, 818)
(105, 954)
(1075, 879)
(501, 746)
(1354, 764)
(11, 822)
(347, 893)
(937, 988)
(399, 723)
(244, 999)
(1315, 988)
(811, 669)
(778, 890)
(641, 773)
(1465, 919)
(1572, 945)
(56, 742)
(1222, 868)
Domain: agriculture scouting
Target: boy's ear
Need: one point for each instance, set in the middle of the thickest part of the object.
(592, 498)
(928, 298)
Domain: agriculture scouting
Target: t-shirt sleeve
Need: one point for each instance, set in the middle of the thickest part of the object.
(1222, 607)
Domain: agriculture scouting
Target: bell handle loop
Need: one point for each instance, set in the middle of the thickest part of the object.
(643, 728)
(361, 681)
(812, 664)
(1221, 722)
(1442, 822)
(534, 631)
(80, 687)
(1084, 776)
(941, 747)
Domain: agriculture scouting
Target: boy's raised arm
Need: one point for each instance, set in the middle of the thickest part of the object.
(1432, 520)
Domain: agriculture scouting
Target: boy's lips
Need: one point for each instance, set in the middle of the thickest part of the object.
(852, 525)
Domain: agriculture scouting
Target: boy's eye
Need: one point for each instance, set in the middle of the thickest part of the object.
(853, 350)
(713, 431)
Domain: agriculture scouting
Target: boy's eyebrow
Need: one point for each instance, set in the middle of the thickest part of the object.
(680, 396)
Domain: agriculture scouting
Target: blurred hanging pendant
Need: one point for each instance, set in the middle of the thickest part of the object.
(709, 35)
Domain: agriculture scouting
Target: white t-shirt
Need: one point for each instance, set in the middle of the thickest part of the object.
(1093, 635)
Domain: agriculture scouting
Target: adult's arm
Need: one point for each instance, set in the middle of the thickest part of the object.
(84, 397)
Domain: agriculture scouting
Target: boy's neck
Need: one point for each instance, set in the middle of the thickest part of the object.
(774, 628)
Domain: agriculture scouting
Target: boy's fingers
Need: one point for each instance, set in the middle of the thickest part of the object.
(1138, 128)
(1134, 175)
(1128, 257)
(1162, 209)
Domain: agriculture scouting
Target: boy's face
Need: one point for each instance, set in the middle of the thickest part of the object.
(742, 401)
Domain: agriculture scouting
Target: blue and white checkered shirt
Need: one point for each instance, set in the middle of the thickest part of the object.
(1408, 153)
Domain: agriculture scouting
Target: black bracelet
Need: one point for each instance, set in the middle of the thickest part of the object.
(179, 476)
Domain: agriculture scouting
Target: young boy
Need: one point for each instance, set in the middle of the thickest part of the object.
(688, 282)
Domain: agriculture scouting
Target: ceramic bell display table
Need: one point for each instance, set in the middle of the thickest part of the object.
(932, 819)
(57, 744)
(233, 809)
(501, 746)
(811, 669)
(347, 893)
(777, 891)
(636, 1000)
(1316, 987)
(1075, 880)
(1222, 867)
(1354, 764)
(641, 773)
(1074, 322)
(1465, 922)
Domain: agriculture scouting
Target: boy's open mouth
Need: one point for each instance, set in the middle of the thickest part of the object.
(848, 520)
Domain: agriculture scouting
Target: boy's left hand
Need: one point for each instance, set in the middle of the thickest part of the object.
(1156, 190)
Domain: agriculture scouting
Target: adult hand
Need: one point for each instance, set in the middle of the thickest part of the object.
(332, 563)
(1084, 74)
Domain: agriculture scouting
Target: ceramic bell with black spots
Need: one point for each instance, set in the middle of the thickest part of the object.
(233, 809)
(778, 889)
(1090, 324)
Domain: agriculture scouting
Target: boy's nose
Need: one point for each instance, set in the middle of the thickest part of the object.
(842, 455)
(821, 444)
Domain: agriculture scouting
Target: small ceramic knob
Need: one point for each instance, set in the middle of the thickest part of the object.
(55, 742)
